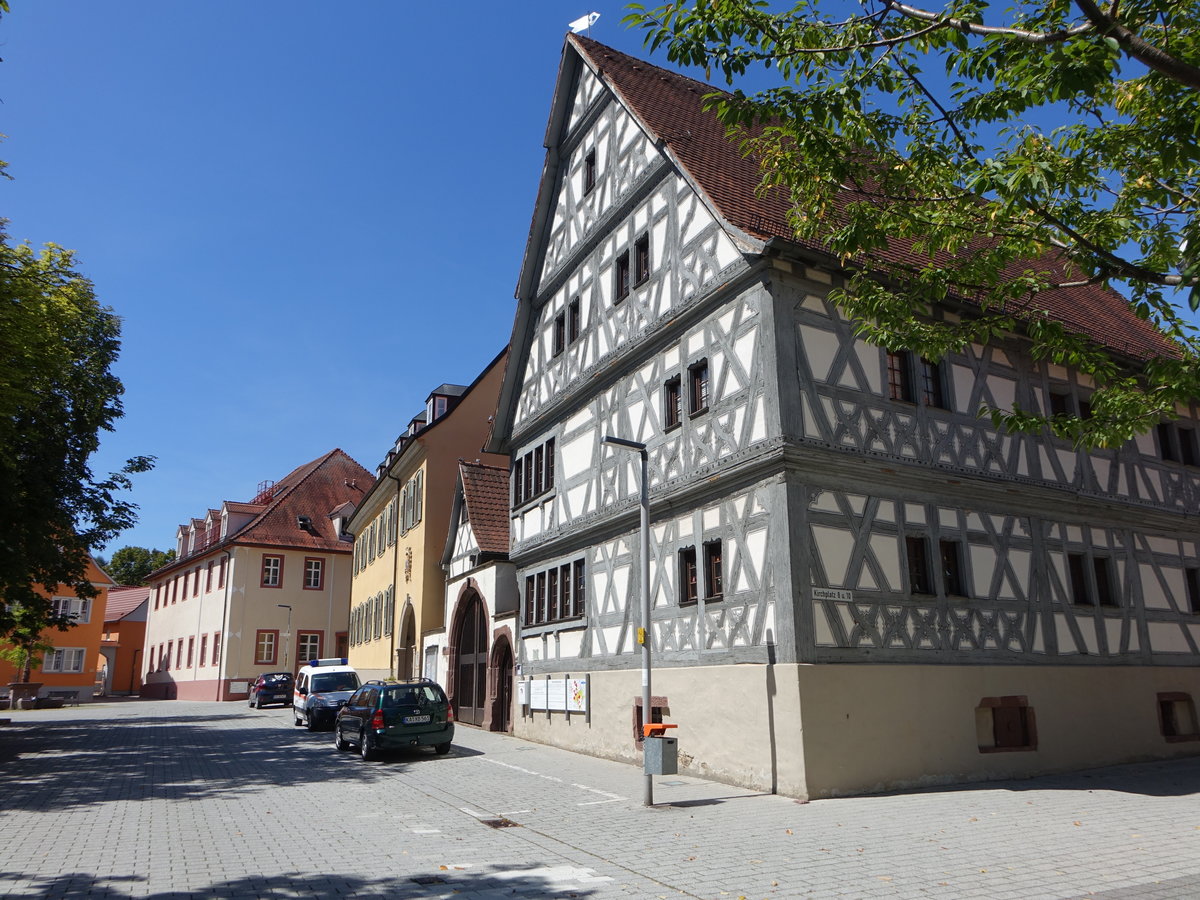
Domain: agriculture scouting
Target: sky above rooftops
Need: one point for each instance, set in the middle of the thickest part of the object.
(308, 217)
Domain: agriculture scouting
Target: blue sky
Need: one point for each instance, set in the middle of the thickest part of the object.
(307, 215)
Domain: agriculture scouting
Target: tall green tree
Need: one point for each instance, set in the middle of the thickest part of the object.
(1011, 151)
(131, 565)
(57, 394)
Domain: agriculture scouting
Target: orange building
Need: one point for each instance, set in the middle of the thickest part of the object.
(123, 641)
(69, 670)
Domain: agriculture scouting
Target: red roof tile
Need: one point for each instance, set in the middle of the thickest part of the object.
(310, 490)
(670, 106)
(485, 491)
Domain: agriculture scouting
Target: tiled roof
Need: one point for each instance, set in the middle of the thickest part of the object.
(670, 106)
(485, 491)
(124, 600)
(310, 490)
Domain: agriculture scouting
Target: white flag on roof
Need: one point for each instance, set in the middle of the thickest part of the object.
(584, 22)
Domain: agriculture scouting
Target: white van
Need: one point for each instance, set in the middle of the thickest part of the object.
(322, 688)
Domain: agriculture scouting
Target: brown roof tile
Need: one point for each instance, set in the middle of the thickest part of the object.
(309, 490)
(124, 600)
(670, 106)
(485, 491)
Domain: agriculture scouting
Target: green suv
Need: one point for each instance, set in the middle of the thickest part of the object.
(392, 715)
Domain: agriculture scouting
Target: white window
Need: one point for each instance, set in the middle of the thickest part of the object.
(64, 659)
(272, 570)
(314, 574)
(79, 609)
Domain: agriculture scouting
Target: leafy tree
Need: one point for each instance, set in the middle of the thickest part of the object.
(1008, 152)
(57, 393)
(131, 565)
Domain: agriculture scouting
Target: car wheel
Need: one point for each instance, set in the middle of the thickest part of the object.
(310, 720)
(258, 704)
(366, 746)
(296, 720)
(338, 741)
(442, 749)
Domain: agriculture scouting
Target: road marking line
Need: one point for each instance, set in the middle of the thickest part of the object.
(477, 815)
(426, 831)
(497, 762)
(598, 802)
(592, 790)
(515, 812)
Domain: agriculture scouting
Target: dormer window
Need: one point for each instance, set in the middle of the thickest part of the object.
(436, 407)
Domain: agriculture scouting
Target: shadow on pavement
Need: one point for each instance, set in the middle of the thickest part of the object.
(1178, 777)
(169, 757)
(541, 882)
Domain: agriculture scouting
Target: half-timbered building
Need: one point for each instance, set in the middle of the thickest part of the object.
(856, 582)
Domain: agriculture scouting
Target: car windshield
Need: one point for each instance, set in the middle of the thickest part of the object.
(410, 695)
(334, 681)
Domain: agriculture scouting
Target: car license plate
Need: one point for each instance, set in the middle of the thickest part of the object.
(415, 720)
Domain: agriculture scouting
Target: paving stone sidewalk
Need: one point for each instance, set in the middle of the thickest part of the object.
(178, 799)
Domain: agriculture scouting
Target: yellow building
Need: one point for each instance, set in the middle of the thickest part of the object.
(400, 528)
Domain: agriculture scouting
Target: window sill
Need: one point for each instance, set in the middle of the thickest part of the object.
(692, 413)
(674, 426)
(1027, 749)
(525, 505)
(573, 623)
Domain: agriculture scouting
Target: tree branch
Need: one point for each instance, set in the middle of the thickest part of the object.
(1028, 37)
(1140, 49)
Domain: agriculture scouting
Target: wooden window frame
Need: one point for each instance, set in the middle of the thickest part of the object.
(261, 659)
(698, 387)
(221, 566)
(262, 580)
(951, 558)
(1191, 582)
(714, 574)
(589, 171)
(672, 402)
(574, 321)
(578, 589)
(191, 650)
(916, 556)
(641, 260)
(320, 585)
(689, 575)
(559, 341)
(529, 599)
(932, 383)
(621, 277)
(216, 648)
(899, 376)
(196, 583)
(203, 650)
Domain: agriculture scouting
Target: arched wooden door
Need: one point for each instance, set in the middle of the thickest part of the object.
(470, 682)
(502, 718)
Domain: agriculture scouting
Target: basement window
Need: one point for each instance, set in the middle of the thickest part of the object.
(1177, 717)
(1005, 724)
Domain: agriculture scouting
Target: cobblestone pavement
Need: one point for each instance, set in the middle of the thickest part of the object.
(182, 799)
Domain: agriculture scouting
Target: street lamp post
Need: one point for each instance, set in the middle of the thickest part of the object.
(288, 636)
(644, 637)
